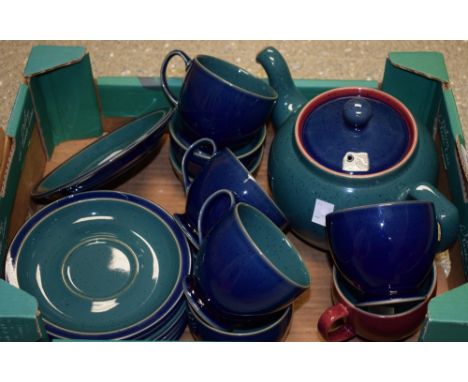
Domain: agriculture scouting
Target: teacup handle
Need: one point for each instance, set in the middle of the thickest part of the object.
(446, 213)
(165, 63)
(203, 228)
(188, 156)
(327, 324)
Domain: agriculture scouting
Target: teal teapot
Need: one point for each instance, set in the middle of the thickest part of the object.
(347, 147)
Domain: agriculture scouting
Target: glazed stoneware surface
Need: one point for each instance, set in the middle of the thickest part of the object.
(273, 331)
(384, 250)
(101, 264)
(224, 171)
(220, 320)
(260, 271)
(198, 160)
(349, 133)
(171, 327)
(385, 323)
(106, 159)
(247, 153)
(220, 100)
(177, 169)
(306, 192)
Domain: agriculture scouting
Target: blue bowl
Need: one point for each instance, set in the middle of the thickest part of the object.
(275, 330)
(102, 265)
(384, 250)
(106, 160)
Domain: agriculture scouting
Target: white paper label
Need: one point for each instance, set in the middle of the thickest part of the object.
(356, 162)
(321, 209)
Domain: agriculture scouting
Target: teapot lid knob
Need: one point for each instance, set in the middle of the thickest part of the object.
(357, 112)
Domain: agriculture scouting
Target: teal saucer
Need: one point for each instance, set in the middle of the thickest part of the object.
(101, 264)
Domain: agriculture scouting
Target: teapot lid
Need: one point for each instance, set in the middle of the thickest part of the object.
(356, 132)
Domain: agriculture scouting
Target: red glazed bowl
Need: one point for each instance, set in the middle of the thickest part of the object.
(391, 322)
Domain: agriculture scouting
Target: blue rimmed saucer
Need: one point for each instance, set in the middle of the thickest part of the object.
(247, 152)
(275, 330)
(105, 160)
(172, 328)
(102, 265)
(252, 166)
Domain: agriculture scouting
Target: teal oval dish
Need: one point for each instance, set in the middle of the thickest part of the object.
(105, 160)
(101, 264)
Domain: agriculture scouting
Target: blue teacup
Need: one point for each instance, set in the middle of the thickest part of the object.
(246, 266)
(220, 100)
(222, 171)
(384, 250)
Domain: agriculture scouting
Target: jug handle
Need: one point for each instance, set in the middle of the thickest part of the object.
(187, 61)
(188, 155)
(333, 324)
(202, 227)
(446, 213)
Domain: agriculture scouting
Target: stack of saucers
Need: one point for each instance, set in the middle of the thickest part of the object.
(249, 152)
(103, 265)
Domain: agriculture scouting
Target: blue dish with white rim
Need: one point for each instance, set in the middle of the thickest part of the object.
(181, 140)
(193, 169)
(106, 160)
(275, 330)
(102, 265)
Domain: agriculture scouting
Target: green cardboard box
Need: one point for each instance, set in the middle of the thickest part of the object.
(61, 101)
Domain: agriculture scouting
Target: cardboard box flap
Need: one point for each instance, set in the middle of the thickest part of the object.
(455, 161)
(428, 64)
(19, 316)
(447, 317)
(64, 94)
(16, 138)
(44, 58)
(451, 306)
(406, 79)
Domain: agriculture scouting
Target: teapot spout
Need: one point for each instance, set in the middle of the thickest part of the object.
(279, 77)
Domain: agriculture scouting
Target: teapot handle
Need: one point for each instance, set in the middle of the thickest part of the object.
(446, 213)
(213, 210)
(188, 155)
(165, 63)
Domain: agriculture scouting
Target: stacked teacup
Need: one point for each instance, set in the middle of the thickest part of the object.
(220, 101)
(384, 275)
(246, 273)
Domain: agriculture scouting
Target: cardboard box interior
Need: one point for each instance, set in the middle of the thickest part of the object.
(41, 135)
